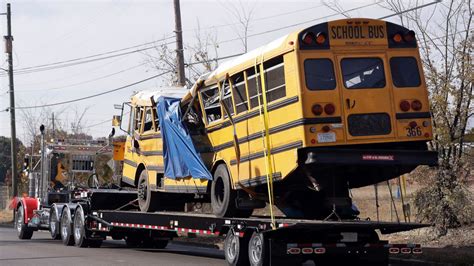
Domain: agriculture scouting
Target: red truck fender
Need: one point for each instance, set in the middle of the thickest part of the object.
(29, 204)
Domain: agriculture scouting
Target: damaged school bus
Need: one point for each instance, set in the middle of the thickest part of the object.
(297, 122)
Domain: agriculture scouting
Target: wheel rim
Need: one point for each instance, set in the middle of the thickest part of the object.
(257, 246)
(64, 225)
(78, 226)
(142, 193)
(232, 248)
(19, 219)
(53, 222)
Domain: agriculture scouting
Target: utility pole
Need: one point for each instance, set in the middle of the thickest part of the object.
(9, 51)
(179, 45)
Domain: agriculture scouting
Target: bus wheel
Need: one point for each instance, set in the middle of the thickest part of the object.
(147, 199)
(54, 224)
(222, 194)
(66, 228)
(236, 249)
(80, 237)
(22, 229)
(258, 250)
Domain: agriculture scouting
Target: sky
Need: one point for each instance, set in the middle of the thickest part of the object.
(47, 32)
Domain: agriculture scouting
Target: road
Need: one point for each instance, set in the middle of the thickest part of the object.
(41, 250)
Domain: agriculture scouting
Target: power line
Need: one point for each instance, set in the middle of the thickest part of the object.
(84, 82)
(96, 55)
(93, 95)
(83, 62)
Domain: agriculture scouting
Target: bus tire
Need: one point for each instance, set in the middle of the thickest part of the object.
(258, 250)
(236, 249)
(66, 228)
(54, 224)
(80, 234)
(22, 229)
(147, 199)
(222, 194)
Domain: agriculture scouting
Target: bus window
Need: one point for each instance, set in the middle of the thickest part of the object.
(138, 118)
(275, 78)
(227, 99)
(405, 72)
(239, 92)
(210, 100)
(319, 74)
(253, 83)
(363, 73)
(148, 120)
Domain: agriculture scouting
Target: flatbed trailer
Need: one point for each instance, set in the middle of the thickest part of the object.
(91, 216)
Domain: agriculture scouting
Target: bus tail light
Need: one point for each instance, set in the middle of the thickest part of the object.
(397, 38)
(413, 124)
(326, 129)
(329, 108)
(416, 105)
(308, 38)
(409, 36)
(317, 109)
(320, 38)
(404, 105)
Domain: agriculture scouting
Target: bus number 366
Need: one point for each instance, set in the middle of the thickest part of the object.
(413, 131)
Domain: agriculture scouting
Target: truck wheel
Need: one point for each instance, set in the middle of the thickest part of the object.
(147, 199)
(222, 194)
(22, 229)
(80, 237)
(66, 228)
(258, 250)
(54, 224)
(236, 249)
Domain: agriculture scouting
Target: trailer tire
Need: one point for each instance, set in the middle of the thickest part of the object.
(236, 249)
(258, 250)
(54, 224)
(23, 231)
(80, 234)
(147, 199)
(66, 228)
(133, 241)
(222, 194)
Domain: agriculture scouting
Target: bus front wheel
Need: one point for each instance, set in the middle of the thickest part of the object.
(223, 197)
(147, 199)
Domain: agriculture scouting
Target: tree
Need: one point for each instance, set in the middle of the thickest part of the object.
(446, 44)
(5, 161)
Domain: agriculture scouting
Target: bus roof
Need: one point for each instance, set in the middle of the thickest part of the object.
(142, 98)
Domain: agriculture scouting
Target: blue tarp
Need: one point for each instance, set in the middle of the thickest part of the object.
(179, 154)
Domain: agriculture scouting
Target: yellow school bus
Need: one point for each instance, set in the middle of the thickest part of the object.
(338, 105)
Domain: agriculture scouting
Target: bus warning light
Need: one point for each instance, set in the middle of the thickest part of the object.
(329, 108)
(413, 124)
(308, 38)
(409, 36)
(317, 109)
(416, 105)
(326, 129)
(320, 37)
(397, 38)
(405, 106)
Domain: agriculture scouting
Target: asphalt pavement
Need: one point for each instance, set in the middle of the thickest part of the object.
(42, 250)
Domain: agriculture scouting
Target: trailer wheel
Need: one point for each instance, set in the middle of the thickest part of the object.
(133, 241)
(66, 228)
(80, 237)
(147, 199)
(54, 224)
(236, 249)
(22, 229)
(222, 194)
(258, 250)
